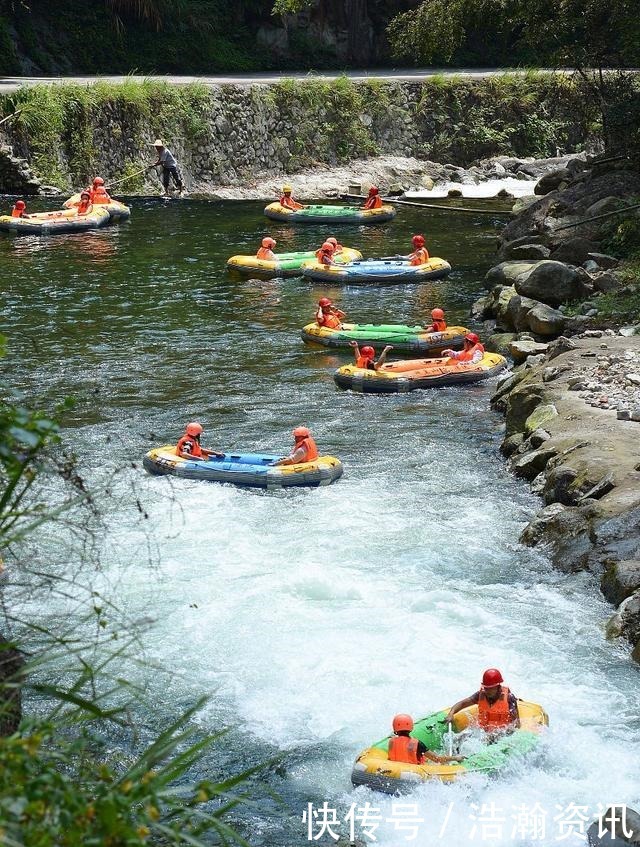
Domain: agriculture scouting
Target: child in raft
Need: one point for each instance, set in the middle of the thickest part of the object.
(438, 323)
(266, 250)
(329, 315)
(366, 357)
(19, 210)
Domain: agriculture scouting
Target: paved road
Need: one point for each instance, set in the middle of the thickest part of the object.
(10, 84)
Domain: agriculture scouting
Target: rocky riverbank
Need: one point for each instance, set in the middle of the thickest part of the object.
(572, 404)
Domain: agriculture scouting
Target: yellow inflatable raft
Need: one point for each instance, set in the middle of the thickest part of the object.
(285, 264)
(117, 210)
(52, 223)
(410, 374)
(373, 768)
(333, 214)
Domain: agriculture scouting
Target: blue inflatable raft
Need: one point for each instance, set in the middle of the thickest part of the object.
(376, 271)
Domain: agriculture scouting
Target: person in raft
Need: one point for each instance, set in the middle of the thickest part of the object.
(403, 748)
(84, 206)
(497, 706)
(287, 200)
(472, 352)
(98, 192)
(337, 247)
(266, 250)
(366, 356)
(325, 254)
(304, 448)
(329, 315)
(420, 255)
(374, 200)
(189, 447)
(19, 210)
(438, 322)
(170, 169)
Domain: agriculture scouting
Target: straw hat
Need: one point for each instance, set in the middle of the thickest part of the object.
(158, 143)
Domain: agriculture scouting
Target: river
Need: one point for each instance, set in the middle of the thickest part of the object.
(312, 617)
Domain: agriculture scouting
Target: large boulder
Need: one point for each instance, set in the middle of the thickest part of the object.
(552, 181)
(577, 477)
(606, 281)
(541, 416)
(506, 273)
(575, 250)
(543, 320)
(499, 342)
(521, 349)
(620, 580)
(601, 207)
(566, 531)
(626, 622)
(522, 400)
(550, 282)
(517, 312)
(530, 464)
(527, 251)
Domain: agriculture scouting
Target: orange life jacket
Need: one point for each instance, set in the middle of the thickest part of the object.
(494, 715)
(195, 449)
(467, 355)
(374, 202)
(404, 749)
(363, 362)
(84, 206)
(438, 325)
(310, 448)
(330, 320)
(99, 195)
(419, 256)
(265, 253)
(17, 213)
(289, 203)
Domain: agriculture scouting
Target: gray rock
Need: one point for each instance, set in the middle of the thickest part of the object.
(626, 622)
(600, 207)
(479, 308)
(538, 438)
(528, 251)
(506, 273)
(552, 181)
(531, 464)
(590, 266)
(606, 281)
(628, 331)
(543, 320)
(623, 415)
(516, 313)
(620, 580)
(520, 403)
(522, 203)
(520, 350)
(559, 346)
(511, 444)
(574, 250)
(602, 260)
(500, 342)
(550, 282)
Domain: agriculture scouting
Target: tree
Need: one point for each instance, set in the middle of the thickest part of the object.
(600, 41)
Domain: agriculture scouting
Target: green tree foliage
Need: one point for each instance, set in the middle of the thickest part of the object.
(62, 783)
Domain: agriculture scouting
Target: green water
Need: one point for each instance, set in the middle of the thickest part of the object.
(309, 617)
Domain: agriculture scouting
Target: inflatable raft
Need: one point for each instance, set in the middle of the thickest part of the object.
(51, 223)
(417, 373)
(117, 210)
(286, 264)
(373, 768)
(330, 214)
(410, 338)
(247, 470)
(377, 271)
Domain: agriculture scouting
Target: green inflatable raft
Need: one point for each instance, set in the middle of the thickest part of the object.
(401, 337)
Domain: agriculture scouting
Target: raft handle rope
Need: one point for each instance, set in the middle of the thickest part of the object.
(395, 200)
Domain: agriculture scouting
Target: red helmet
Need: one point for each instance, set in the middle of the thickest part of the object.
(85, 194)
(332, 240)
(301, 432)
(402, 723)
(367, 352)
(194, 428)
(437, 314)
(20, 204)
(328, 247)
(472, 337)
(491, 677)
(268, 242)
(98, 181)
(373, 190)
(418, 240)
(324, 301)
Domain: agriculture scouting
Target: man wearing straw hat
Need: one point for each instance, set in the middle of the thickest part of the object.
(170, 169)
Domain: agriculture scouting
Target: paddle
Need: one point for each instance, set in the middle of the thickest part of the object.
(129, 176)
(450, 738)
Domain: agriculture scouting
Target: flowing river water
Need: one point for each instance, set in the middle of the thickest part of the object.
(312, 617)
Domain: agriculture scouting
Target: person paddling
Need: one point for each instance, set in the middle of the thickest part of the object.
(366, 356)
(170, 169)
(404, 748)
(305, 448)
(189, 447)
(329, 315)
(497, 706)
(472, 352)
